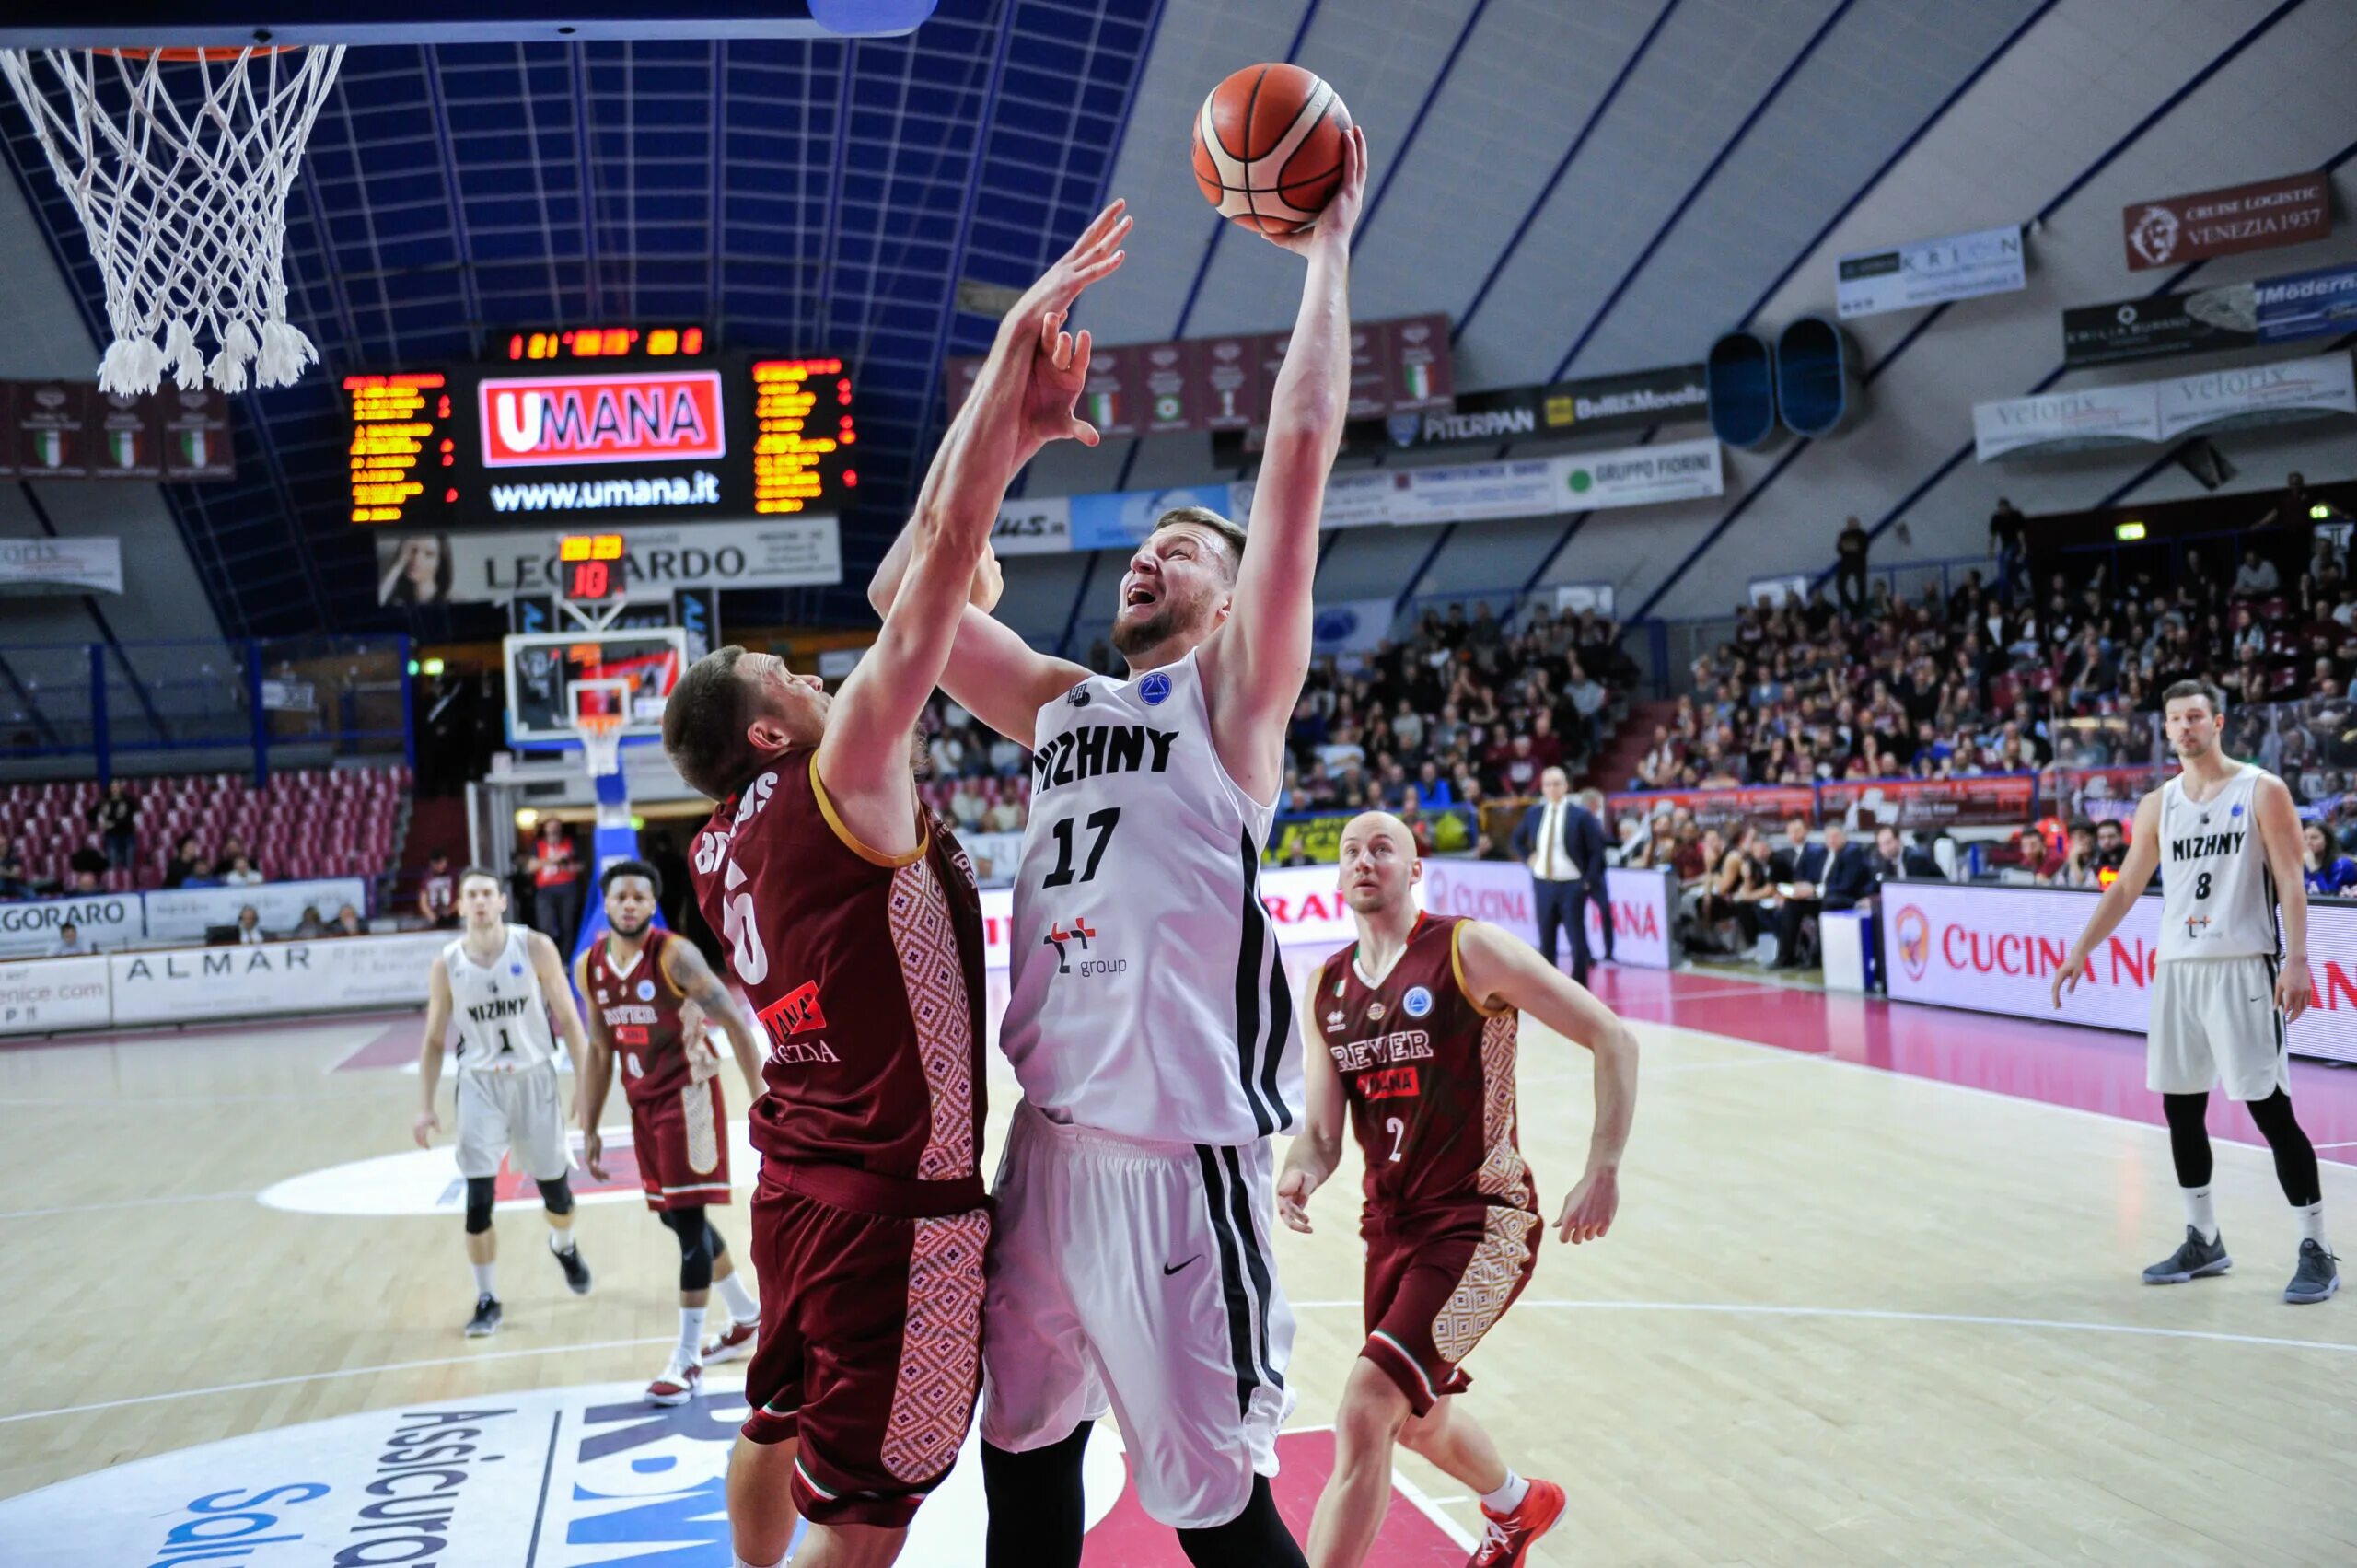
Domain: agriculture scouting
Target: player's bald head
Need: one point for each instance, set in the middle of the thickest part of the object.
(1368, 824)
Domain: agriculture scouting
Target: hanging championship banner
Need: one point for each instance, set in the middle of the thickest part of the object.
(1930, 272)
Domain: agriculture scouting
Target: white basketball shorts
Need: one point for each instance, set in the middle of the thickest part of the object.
(1138, 1276)
(522, 1110)
(2214, 1019)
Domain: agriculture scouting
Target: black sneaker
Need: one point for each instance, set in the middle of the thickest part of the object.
(2317, 1276)
(485, 1322)
(2190, 1261)
(576, 1272)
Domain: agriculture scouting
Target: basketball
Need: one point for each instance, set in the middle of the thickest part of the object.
(1269, 148)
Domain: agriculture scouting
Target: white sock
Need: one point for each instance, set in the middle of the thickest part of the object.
(736, 1562)
(485, 1278)
(742, 1307)
(2312, 1223)
(692, 1335)
(560, 1240)
(2200, 1213)
(1508, 1496)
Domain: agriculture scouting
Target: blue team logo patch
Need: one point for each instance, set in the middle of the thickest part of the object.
(515, 969)
(1417, 1002)
(646, 991)
(2236, 812)
(1154, 688)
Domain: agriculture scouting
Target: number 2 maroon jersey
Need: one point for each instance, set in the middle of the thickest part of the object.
(1429, 1075)
(641, 1007)
(866, 971)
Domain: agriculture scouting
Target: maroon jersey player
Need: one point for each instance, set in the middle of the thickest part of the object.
(853, 922)
(649, 994)
(1417, 1021)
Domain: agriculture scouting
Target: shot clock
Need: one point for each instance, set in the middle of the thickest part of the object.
(589, 568)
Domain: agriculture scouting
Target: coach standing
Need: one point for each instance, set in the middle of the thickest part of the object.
(1562, 843)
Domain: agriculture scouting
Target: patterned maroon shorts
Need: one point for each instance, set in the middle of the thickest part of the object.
(870, 1351)
(1436, 1281)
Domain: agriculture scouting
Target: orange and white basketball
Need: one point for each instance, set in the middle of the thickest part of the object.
(1269, 148)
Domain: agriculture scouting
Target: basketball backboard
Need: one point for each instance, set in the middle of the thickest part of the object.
(553, 677)
(173, 24)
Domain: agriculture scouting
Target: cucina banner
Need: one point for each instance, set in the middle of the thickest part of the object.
(1996, 949)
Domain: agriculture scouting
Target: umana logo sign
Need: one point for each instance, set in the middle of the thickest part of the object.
(617, 418)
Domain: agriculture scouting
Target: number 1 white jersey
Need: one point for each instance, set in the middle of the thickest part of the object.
(503, 1018)
(2217, 896)
(1147, 994)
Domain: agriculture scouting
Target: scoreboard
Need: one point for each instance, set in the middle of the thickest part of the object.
(601, 425)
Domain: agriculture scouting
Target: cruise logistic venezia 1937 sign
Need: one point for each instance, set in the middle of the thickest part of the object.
(2235, 218)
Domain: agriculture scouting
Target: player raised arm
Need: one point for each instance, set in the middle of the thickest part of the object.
(2135, 875)
(693, 979)
(429, 1050)
(595, 1070)
(2278, 835)
(1499, 971)
(1255, 662)
(993, 671)
(1317, 1147)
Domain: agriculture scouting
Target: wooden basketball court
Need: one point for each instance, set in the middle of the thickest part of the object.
(1855, 1310)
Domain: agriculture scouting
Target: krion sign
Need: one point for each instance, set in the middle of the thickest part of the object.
(634, 417)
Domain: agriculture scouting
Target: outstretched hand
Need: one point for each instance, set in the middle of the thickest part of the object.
(1589, 1207)
(1058, 359)
(1341, 214)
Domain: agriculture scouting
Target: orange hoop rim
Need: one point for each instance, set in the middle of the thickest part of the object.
(209, 53)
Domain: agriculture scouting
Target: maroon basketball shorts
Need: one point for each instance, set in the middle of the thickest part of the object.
(683, 1144)
(870, 1347)
(1437, 1280)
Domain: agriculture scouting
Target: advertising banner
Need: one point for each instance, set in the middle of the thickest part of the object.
(1928, 272)
(2225, 222)
(2077, 421)
(1033, 528)
(2255, 394)
(43, 566)
(657, 560)
(2306, 305)
(38, 996)
(105, 919)
(1118, 519)
(1995, 949)
(1353, 500)
(1305, 908)
(1639, 476)
(1988, 801)
(2207, 321)
(1767, 806)
(175, 984)
(1592, 405)
(1349, 625)
(1524, 489)
(184, 914)
(66, 430)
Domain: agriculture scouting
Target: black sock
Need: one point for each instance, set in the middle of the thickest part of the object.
(1037, 1511)
(1255, 1539)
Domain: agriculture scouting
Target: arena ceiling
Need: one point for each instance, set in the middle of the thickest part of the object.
(1584, 187)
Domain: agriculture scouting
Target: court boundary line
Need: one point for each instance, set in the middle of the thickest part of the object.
(125, 1204)
(1888, 1315)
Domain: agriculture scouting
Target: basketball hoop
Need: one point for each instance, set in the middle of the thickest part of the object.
(601, 741)
(178, 162)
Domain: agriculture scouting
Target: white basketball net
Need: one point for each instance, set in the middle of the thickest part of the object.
(178, 171)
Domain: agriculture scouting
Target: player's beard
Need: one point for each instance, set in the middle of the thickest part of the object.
(629, 933)
(1170, 617)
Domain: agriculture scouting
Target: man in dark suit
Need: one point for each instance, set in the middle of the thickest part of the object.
(1562, 843)
(1834, 875)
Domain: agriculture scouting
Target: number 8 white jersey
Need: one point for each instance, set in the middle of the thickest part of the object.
(2217, 896)
(1146, 996)
(503, 1018)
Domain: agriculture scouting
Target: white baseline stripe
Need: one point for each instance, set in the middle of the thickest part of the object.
(340, 1372)
(124, 1203)
(1740, 1308)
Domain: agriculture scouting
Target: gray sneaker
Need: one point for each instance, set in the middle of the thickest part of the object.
(2192, 1260)
(2317, 1276)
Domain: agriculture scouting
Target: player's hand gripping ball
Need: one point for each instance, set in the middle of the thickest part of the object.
(1269, 148)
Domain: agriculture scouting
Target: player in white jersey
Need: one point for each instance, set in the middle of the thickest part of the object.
(1149, 1018)
(2225, 837)
(500, 983)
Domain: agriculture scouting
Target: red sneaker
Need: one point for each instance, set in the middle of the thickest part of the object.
(733, 1345)
(677, 1385)
(1509, 1535)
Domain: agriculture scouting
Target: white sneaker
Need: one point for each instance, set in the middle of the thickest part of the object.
(677, 1385)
